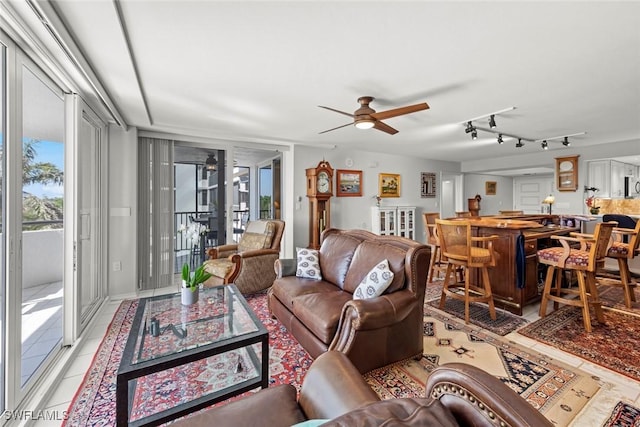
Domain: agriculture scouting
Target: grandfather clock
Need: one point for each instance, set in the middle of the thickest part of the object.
(319, 192)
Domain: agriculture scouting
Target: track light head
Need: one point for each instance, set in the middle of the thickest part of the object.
(566, 142)
(474, 134)
(469, 128)
(500, 140)
(492, 121)
(544, 145)
(520, 144)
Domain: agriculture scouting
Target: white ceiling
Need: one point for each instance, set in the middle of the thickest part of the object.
(257, 71)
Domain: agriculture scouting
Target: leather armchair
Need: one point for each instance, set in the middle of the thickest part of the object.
(249, 263)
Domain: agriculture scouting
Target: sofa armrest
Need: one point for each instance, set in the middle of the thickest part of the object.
(379, 312)
(472, 394)
(285, 267)
(333, 386)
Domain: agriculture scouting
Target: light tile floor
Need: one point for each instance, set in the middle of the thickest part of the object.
(615, 387)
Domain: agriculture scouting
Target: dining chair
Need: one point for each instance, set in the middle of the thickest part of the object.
(585, 260)
(463, 214)
(461, 249)
(437, 264)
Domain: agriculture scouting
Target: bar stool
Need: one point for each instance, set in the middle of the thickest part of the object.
(585, 261)
(437, 265)
(462, 250)
(624, 247)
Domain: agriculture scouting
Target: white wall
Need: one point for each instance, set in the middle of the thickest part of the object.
(355, 212)
(123, 158)
(489, 204)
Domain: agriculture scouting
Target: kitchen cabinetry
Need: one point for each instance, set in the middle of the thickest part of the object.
(608, 176)
(394, 221)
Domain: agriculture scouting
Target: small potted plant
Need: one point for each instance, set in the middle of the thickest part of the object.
(191, 283)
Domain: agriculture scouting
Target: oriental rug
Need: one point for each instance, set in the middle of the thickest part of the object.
(556, 390)
(613, 345)
(624, 414)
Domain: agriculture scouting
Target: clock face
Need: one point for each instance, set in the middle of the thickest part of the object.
(323, 182)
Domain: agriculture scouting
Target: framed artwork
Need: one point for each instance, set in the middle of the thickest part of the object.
(389, 185)
(567, 173)
(428, 184)
(490, 188)
(348, 183)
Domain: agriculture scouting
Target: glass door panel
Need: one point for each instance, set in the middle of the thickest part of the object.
(42, 223)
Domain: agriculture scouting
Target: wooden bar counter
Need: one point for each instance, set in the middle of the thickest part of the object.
(519, 239)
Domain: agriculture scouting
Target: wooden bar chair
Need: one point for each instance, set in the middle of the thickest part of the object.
(437, 264)
(585, 261)
(463, 250)
(624, 247)
(463, 214)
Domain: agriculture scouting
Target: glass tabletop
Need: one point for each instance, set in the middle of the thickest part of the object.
(167, 327)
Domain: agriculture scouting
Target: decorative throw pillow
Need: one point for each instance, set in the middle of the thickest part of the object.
(308, 264)
(375, 282)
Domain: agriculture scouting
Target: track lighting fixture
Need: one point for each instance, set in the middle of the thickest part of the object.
(566, 142)
(211, 163)
(500, 140)
(520, 144)
(474, 134)
(492, 121)
(544, 145)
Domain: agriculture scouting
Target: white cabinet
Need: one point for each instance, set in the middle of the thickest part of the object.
(617, 179)
(394, 221)
(599, 176)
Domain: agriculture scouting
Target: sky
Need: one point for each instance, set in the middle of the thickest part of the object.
(52, 152)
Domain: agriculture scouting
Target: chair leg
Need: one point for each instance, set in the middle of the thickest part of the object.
(546, 291)
(584, 299)
(488, 293)
(432, 266)
(445, 286)
(625, 277)
(466, 298)
(594, 298)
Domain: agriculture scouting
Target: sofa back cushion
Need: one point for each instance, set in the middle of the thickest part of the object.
(336, 254)
(367, 256)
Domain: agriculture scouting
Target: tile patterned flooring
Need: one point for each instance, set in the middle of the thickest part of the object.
(615, 387)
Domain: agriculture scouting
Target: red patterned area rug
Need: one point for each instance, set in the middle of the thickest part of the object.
(624, 415)
(555, 389)
(613, 345)
(94, 402)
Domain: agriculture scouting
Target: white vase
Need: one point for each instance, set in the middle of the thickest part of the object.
(189, 295)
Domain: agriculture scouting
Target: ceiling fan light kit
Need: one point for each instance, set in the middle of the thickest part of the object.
(366, 117)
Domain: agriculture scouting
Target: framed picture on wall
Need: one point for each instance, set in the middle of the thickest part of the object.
(389, 185)
(428, 184)
(490, 188)
(348, 183)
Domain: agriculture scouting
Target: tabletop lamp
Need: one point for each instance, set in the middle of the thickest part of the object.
(549, 200)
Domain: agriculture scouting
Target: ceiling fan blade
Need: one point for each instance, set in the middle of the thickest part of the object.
(337, 111)
(384, 127)
(329, 130)
(399, 111)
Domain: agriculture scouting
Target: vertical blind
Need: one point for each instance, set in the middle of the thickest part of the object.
(155, 212)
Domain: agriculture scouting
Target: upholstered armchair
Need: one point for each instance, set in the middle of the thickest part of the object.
(249, 263)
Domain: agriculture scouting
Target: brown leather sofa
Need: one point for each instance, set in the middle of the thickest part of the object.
(333, 390)
(322, 314)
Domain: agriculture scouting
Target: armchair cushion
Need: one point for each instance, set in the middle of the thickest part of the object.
(258, 235)
(218, 267)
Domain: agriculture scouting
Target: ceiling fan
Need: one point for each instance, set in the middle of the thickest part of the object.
(366, 117)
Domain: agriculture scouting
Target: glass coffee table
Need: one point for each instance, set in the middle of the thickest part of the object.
(179, 359)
